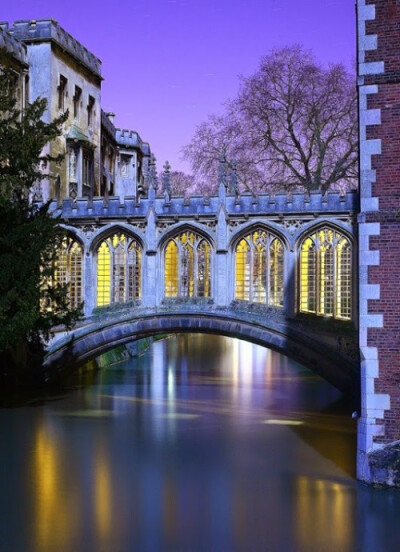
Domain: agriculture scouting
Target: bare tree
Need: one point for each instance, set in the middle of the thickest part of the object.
(293, 124)
(180, 183)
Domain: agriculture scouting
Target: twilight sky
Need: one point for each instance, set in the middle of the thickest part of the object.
(167, 64)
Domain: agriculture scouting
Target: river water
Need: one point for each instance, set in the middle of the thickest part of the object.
(203, 444)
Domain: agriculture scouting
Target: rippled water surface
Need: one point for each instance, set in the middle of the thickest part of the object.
(204, 443)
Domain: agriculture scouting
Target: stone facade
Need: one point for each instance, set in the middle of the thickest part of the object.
(221, 219)
(97, 161)
(13, 55)
(379, 228)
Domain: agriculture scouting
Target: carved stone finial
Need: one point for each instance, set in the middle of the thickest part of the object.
(166, 179)
(233, 180)
(222, 168)
(152, 176)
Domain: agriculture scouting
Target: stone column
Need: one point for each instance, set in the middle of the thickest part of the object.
(90, 282)
(150, 276)
(221, 280)
(289, 282)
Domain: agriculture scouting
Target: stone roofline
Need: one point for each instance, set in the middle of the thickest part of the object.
(107, 124)
(245, 204)
(131, 139)
(48, 30)
(12, 46)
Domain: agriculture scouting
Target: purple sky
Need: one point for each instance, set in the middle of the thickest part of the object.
(167, 64)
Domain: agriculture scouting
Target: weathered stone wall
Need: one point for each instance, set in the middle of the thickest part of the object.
(51, 54)
(13, 56)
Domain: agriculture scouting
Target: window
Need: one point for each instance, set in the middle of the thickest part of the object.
(259, 269)
(187, 269)
(90, 109)
(325, 274)
(62, 92)
(77, 101)
(87, 173)
(69, 270)
(119, 260)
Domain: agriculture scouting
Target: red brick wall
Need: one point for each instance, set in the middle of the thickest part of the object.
(387, 188)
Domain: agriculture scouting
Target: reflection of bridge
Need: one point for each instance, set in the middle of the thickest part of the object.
(276, 270)
(328, 351)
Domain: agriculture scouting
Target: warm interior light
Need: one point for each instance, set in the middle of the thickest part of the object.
(325, 274)
(259, 269)
(187, 268)
(118, 270)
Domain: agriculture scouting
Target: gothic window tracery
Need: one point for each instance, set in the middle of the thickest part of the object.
(187, 268)
(325, 274)
(119, 259)
(259, 268)
(69, 270)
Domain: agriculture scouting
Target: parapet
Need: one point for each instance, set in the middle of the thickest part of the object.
(131, 139)
(11, 46)
(314, 204)
(46, 30)
(107, 124)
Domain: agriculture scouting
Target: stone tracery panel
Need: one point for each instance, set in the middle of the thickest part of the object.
(69, 270)
(187, 266)
(119, 260)
(325, 274)
(259, 268)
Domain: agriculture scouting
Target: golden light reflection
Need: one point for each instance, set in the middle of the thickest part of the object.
(55, 520)
(102, 494)
(321, 510)
(283, 422)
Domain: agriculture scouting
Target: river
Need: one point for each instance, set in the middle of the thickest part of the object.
(202, 444)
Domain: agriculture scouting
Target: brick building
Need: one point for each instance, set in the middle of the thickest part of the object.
(379, 229)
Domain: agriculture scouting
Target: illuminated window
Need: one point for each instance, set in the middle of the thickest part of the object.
(325, 274)
(119, 259)
(259, 269)
(187, 267)
(69, 270)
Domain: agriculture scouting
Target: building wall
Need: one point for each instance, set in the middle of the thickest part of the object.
(13, 56)
(379, 229)
(55, 59)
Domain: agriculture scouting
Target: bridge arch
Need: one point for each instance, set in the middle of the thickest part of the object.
(84, 344)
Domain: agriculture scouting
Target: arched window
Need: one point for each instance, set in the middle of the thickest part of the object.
(259, 269)
(325, 274)
(69, 270)
(187, 269)
(119, 259)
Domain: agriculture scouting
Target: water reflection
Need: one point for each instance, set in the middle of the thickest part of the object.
(203, 444)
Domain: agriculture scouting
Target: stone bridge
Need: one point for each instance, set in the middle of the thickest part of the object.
(275, 269)
(328, 350)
